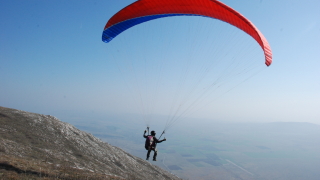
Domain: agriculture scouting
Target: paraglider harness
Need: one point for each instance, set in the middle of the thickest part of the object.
(150, 143)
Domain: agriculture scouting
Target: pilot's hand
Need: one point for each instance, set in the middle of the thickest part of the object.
(164, 139)
(145, 131)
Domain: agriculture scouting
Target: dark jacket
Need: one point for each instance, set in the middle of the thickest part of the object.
(155, 141)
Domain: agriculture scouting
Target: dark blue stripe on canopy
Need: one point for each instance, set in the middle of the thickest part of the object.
(116, 29)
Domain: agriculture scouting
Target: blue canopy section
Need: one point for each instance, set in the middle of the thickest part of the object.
(116, 29)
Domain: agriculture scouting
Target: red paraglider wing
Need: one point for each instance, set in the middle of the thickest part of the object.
(145, 10)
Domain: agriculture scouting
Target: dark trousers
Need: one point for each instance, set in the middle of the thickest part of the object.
(155, 153)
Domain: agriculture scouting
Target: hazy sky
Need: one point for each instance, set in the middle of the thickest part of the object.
(52, 60)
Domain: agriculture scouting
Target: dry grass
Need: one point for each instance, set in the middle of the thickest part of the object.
(12, 168)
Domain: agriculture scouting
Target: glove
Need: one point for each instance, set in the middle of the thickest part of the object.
(164, 139)
(145, 131)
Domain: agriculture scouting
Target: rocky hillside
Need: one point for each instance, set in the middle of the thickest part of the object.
(40, 145)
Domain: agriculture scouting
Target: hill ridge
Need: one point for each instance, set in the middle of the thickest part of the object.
(45, 138)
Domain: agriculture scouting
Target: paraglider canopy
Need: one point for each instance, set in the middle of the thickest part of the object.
(146, 10)
(174, 70)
